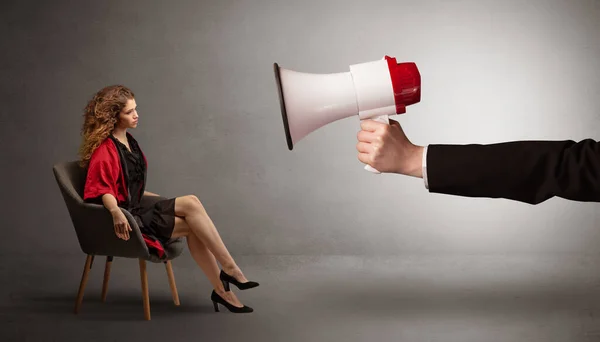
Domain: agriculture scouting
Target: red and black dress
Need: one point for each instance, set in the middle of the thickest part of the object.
(116, 170)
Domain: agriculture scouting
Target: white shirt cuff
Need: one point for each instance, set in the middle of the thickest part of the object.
(424, 163)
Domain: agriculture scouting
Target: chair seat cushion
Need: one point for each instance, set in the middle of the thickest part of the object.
(173, 247)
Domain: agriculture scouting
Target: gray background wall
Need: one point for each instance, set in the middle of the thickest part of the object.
(210, 123)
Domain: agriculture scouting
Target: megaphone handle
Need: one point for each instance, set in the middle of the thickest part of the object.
(383, 119)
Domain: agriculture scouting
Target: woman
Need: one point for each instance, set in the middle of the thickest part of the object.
(116, 178)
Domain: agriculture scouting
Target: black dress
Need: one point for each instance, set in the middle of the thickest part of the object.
(154, 217)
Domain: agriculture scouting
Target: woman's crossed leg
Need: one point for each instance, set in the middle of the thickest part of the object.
(205, 244)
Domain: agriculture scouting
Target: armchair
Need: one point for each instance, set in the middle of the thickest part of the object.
(94, 229)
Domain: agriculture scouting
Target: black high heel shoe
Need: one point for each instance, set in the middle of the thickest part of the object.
(226, 279)
(216, 299)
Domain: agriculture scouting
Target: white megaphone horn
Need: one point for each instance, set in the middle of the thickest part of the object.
(372, 90)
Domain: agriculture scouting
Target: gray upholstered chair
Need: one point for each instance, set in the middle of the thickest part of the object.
(94, 228)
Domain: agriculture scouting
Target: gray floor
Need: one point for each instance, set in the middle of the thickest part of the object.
(329, 298)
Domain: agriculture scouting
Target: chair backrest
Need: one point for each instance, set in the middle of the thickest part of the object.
(71, 179)
(92, 222)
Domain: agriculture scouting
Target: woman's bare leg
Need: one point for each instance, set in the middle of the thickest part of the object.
(205, 259)
(191, 209)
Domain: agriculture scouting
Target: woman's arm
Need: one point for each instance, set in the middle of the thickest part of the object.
(110, 202)
(148, 193)
(121, 225)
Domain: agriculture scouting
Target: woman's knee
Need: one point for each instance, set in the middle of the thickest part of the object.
(190, 204)
(194, 199)
(196, 202)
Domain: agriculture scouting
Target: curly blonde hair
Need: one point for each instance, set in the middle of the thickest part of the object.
(101, 115)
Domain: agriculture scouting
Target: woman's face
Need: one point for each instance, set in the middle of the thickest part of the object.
(128, 118)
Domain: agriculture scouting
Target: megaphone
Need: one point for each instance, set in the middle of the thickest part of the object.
(372, 90)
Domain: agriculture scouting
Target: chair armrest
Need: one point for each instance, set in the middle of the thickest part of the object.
(95, 232)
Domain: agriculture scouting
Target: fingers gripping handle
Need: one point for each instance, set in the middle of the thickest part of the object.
(383, 119)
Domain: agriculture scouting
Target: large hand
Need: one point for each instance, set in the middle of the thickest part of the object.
(387, 149)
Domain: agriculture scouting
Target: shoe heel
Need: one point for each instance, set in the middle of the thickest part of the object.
(216, 306)
(225, 285)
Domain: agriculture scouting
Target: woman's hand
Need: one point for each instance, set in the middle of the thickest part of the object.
(121, 224)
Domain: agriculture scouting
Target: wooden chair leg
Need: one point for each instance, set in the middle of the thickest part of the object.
(84, 278)
(169, 267)
(145, 294)
(109, 260)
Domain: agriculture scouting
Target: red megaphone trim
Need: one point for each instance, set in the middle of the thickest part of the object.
(406, 82)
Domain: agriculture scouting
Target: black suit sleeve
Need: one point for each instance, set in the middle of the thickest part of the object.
(525, 171)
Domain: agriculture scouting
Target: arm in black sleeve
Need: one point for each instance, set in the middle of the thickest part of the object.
(526, 171)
